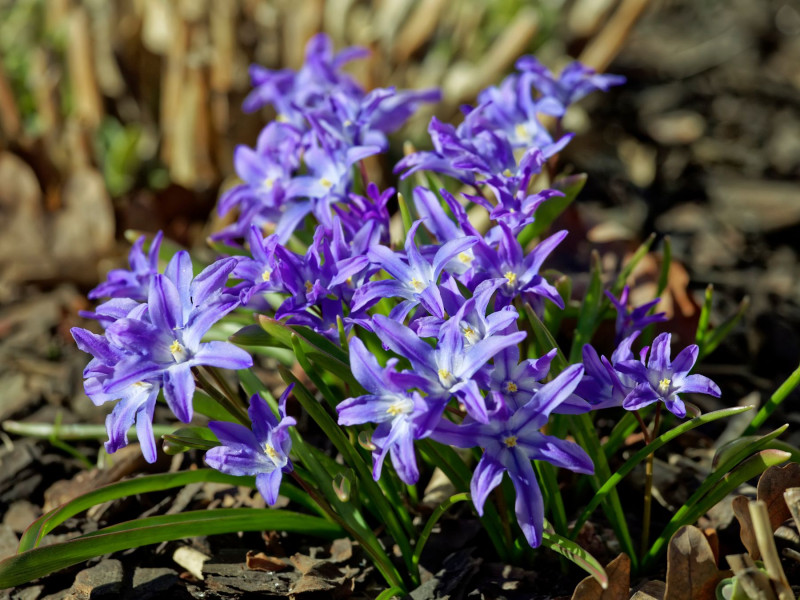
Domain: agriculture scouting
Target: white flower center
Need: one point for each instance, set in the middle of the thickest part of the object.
(178, 351)
(663, 385)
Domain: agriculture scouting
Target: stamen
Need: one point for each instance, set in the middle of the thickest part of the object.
(398, 408)
(510, 441)
(266, 275)
(417, 284)
(270, 451)
(178, 351)
(268, 183)
(511, 277)
(309, 287)
(465, 258)
(326, 183)
(521, 132)
(511, 387)
(663, 385)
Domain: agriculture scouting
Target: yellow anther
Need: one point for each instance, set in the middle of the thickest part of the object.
(326, 183)
(511, 387)
(349, 281)
(175, 347)
(347, 123)
(510, 441)
(507, 173)
(417, 284)
(282, 118)
(511, 277)
(266, 275)
(309, 287)
(522, 133)
(663, 385)
(465, 258)
(268, 183)
(395, 409)
(469, 332)
(444, 374)
(270, 451)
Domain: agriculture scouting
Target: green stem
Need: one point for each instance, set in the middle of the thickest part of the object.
(648, 483)
(437, 514)
(223, 401)
(72, 432)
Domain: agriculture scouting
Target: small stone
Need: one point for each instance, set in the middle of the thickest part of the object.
(20, 515)
(104, 580)
(190, 559)
(153, 582)
(8, 541)
(676, 128)
(28, 593)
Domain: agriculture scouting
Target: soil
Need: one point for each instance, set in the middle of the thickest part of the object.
(702, 144)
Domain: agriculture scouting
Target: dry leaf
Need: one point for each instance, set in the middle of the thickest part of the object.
(650, 590)
(746, 531)
(262, 562)
(771, 486)
(619, 581)
(341, 550)
(692, 573)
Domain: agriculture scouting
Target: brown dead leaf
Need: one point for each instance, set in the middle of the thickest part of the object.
(792, 497)
(262, 562)
(746, 531)
(619, 581)
(771, 486)
(692, 573)
(713, 541)
(341, 550)
(650, 590)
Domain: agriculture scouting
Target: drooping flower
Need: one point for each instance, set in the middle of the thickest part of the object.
(663, 379)
(262, 450)
(603, 386)
(509, 445)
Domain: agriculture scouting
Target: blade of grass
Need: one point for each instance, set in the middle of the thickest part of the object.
(713, 338)
(37, 562)
(786, 388)
(576, 554)
(589, 313)
(639, 456)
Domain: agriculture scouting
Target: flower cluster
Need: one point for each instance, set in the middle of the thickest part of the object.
(434, 333)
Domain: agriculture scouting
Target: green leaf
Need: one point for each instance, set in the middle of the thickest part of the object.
(624, 427)
(35, 563)
(130, 487)
(713, 338)
(552, 208)
(71, 431)
(705, 314)
(187, 438)
(544, 340)
(714, 489)
(786, 388)
(590, 312)
(432, 520)
(405, 214)
(576, 554)
(666, 262)
(626, 271)
(643, 453)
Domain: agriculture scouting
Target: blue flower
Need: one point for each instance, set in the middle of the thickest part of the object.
(402, 415)
(631, 320)
(133, 284)
(663, 379)
(262, 450)
(511, 443)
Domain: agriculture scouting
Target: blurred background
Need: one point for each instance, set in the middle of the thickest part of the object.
(124, 114)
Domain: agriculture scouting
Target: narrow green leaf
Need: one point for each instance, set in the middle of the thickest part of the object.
(666, 262)
(586, 435)
(713, 338)
(624, 427)
(549, 211)
(122, 489)
(405, 214)
(749, 469)
(643, 453)
(590, 312)
(187, 438)
(626, 271)
(576, 554)
(705, 314)
(32, 564)
(546, 474)
(544, 340)
(786, 388)
(432, 520)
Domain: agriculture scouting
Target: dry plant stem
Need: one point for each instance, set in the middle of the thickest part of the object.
(769, 553)
(648, 483)
(232, 407)
(605, 46)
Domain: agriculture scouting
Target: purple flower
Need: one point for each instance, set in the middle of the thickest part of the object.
(603, 386)
(262, 451)
(402, 416)
(259, 273)
(415, 278)
(575, 82)
(509, 444)
(167, 343)
(133, 284)
(663, 379)
(451, 368)
(636, 319)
